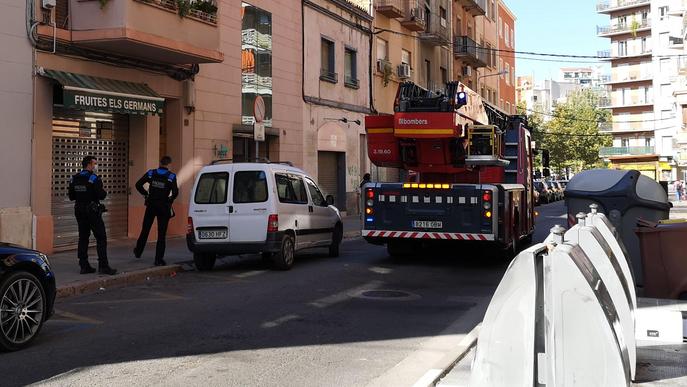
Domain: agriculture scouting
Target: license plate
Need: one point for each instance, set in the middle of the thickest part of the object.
(427, 224)
(212, 234)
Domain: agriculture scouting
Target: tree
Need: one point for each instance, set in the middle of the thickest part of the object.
(572, 135)
(535, 122)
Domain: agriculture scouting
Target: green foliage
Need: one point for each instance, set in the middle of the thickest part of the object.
(103, 3)
(572, 134)
(183, 6)
(387, 73)
(634, 26)
(205, 6)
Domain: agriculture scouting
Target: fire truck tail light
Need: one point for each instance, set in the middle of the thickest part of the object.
(368, 211)
(370, 194)
(487, 214)
(486, 196)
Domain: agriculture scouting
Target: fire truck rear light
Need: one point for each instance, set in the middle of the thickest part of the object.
(486, 196)
(368, 211)
(370, 219)
(370, 194)
(406, 185)
(189, 226)
(487, 205)
(487, 214)
(370, 203)
(430, 185)
(445, 186)
(423, 185)
(414, 185)
(273, 223)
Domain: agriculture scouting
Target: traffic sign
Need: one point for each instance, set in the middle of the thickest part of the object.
(259, 109)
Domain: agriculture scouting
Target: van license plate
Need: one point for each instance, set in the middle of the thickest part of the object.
(212, 234)
(427, 224)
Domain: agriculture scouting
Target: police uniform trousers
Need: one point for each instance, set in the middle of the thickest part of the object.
(161, 211)
(90, 220)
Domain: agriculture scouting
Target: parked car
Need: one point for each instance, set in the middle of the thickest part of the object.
(269, 208)
(536, 197)
(556, 193)
(545, 194)
(27, 295)
(560, 188)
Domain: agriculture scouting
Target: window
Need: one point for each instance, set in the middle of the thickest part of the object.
(328, 65)
(622, 48)
(512, 38)
(256, 63)
(382, 49)
(512, 72)
(291, 189)
(444, 76)
(350, 68)
(507, 36)
(250, 187)
(212, 188)
(624, 142)
(405, 57)
(644, 47)
(443, 16)
(501, 104)
(492, 11)
(663, 12)
(315, 194)
(500, 27)
(648, 98)
(507, 74)
(493, 56)
(500, 65)
(666, 114)
(458, 27)
(648, 142)
(508, 107)
(428, 73)
(666, 90)
(664, 64)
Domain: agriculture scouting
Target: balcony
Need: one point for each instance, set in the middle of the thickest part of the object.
(634, 75)
(436, 31)
(393, 9)
(148, 29)
(627, 54)
(474, 7)
(624, 28)
(605, 127)
(612, 151)
(606, 6)
(469, 51)
(414, 17)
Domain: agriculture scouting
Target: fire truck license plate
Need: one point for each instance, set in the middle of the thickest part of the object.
(427, 224)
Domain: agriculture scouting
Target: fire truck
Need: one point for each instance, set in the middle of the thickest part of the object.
(467, 167)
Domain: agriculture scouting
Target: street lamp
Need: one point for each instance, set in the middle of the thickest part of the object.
(491, 75)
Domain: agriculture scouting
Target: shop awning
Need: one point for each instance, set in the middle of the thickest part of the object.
(85, 92)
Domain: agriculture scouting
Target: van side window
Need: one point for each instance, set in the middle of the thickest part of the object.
(212, 188)
(250, 187)
(317, 198)
(291, 189)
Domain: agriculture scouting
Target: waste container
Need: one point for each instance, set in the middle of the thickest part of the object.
(664, 260)
(624, 196)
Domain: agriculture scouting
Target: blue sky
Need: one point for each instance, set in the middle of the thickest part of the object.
(555, 26)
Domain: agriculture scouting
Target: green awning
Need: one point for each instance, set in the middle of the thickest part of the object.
(85, 92)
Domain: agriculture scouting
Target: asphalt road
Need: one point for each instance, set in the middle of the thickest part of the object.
(361, 319)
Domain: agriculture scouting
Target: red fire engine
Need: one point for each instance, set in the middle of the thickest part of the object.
(469, 169)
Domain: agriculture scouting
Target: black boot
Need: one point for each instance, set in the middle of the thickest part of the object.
(87, 269)
(137, 253)
(107, 270)
(160, 262)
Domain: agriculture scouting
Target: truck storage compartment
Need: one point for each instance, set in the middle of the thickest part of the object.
(383, 147)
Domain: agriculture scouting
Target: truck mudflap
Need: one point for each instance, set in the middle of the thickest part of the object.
(427, 235)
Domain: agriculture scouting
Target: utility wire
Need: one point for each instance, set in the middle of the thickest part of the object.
(595, 121)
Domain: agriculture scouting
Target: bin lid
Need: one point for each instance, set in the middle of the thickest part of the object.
(595, 180)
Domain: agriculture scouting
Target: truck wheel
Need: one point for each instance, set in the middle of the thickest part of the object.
(204, 261)
(337, 237)
(283, 260)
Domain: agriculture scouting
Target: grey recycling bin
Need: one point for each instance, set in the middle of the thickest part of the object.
(624, 196)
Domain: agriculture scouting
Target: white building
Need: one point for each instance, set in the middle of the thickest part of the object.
(642, 71)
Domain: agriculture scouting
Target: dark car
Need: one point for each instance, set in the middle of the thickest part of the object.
(27, 295)
(545, 194)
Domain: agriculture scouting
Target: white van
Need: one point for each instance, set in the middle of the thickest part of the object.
(269, 208)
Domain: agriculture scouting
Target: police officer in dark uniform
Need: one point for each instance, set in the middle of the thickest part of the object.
(86, 189)
(161, 182)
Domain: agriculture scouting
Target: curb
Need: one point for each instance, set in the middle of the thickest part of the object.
(126, 278)
(449, 361)
(352, 235)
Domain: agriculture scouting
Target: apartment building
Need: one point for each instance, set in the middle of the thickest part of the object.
(337, 93)
(642, 69)
(470, 51)
(131, 80)
(506, 66)
(677, 36)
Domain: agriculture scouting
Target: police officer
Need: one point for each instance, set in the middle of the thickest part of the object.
(86, 189)
(161, 182)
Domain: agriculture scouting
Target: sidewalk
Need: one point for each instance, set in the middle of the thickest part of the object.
(131, 270)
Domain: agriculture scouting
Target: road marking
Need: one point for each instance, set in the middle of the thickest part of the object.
(161, 296)
(428, 378)
(220, 278)
(345, 295)
(279, 321)
(380, 270)
(250, 273)
(75, 317)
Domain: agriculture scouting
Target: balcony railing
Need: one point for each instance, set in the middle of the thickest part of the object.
(626, 151)
(471, 52)
(436, 30)
(623, 28)
(608, 6)
(474, 7)
(415, 19)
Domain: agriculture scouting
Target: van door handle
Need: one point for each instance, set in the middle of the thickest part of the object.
(296, 224)
(310, 209)
(231, 209)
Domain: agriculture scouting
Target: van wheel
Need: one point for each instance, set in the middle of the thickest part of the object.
(337, 237)
(204, 261)
(283, 260)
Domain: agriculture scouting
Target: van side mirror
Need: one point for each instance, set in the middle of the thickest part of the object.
(330, 200)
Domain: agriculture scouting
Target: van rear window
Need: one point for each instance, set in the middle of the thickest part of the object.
(250, 187)
(212, 188)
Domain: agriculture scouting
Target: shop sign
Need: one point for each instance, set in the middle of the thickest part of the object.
(112, 103)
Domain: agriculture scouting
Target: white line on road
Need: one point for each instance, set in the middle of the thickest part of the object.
(279, 321)
(345, 295)
(250, 273)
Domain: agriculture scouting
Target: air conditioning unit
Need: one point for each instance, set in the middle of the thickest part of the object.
(381, 64)
(49, 4)
(467, 71)
(404, 70)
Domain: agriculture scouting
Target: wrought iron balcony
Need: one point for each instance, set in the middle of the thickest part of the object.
(392, 9)
(469, 51)
(474, 7)
(611, 151)
(624, 28)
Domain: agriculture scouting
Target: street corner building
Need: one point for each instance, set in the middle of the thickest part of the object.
(129, 81)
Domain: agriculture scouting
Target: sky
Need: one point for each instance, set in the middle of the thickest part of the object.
(555, 26)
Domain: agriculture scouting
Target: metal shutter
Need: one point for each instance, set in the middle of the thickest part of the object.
(327, 173)
(75, 135)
